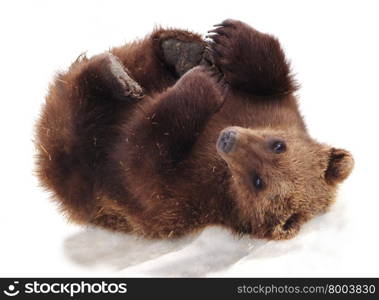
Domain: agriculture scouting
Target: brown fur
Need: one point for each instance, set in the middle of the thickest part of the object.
(149, 164)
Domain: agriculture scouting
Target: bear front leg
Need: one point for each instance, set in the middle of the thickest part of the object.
(78, 125)
(179, 115)
(249, 60)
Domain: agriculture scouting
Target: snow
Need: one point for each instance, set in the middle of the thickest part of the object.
(215, 251)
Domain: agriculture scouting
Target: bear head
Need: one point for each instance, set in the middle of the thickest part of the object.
(279, 179)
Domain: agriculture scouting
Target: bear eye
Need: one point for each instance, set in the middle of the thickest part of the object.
(278, 147)
(257, 182)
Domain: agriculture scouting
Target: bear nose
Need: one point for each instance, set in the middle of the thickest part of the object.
(226, 140)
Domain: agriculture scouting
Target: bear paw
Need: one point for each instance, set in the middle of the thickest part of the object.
(225, 47)
(115, 77)
(248, 59)
(180, 50)
(181, 55)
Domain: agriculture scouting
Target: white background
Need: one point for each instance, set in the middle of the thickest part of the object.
(334, 48)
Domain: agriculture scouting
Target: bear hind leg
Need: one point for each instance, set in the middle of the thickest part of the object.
(76, 129)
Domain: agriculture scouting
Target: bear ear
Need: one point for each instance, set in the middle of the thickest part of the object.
(340, 165)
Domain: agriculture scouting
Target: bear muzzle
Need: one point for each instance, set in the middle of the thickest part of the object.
(226, 141)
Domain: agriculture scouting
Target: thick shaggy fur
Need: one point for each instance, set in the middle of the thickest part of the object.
(128, 143)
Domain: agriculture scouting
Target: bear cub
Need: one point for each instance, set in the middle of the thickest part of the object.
(173, 132)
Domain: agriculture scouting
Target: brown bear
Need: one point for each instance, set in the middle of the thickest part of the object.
(171, 133)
